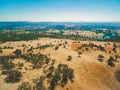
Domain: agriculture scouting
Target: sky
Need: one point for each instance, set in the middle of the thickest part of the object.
(60, 10)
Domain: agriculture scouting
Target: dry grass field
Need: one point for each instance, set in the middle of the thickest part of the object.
(89, 72)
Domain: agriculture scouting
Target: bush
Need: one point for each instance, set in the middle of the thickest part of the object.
(1, 51)
(117, 75)
(111, 61)
(20, 65)
(56, 48)
(69, 58)
(61, 76)
(6, 62)
(40, 84)
(79, 53)
(8, 65)
(51, 68)
(5, 72)
(17, 52)
(24, 86)
(100, 57)
(13, 77)
(38, 60)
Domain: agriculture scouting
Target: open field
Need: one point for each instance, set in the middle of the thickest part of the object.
(89, 72)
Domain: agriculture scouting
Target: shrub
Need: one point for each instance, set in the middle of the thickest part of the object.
(51, 68)
(100, 57)
(6, 62)
(79, 53)
(24, 86)
(17, 52)
(1, 51)
(69, 58)
(56, 48)
(44, 46)
(117, 75)
(40, 84)
(111, 61)
(38, 60)
(13, 77)
(20, 65)
(61, 76)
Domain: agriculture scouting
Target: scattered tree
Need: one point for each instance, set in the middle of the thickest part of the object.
(111, 61)
(13, 77)
(18, 53)
(69, 58)
(100, 57)
(117, 75)
(25, 86)
(79, 53)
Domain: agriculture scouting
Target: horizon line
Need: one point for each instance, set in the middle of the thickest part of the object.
(58, 21)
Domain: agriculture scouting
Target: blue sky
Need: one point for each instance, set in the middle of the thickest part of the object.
(60, 10)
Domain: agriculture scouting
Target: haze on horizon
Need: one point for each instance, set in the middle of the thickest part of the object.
(60, 10)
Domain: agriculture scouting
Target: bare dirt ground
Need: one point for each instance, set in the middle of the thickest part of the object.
(90, 74)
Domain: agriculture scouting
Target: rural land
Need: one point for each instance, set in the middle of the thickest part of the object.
(59, 55)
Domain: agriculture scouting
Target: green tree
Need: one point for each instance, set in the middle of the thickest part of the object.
(100, 57)
(111, 61)
(79, 53)
(1, 51)
(13, 76)
(117, 75)
(25, 86)
(61, 76)
(40, 84)
(18, 52)
(69, 58)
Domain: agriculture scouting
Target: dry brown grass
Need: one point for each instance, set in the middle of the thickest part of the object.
(90, 74)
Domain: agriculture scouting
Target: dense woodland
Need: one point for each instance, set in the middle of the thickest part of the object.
(16, 36)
